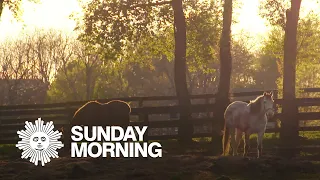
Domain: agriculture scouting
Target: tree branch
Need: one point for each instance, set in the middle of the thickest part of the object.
(150, 4)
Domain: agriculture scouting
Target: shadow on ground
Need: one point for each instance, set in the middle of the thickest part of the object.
(196, 162)
(173, 167)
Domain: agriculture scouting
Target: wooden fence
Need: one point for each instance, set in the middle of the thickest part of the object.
(12, 118)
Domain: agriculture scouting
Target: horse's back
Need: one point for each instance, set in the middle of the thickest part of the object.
(87, 113)
(234, 112)
(115, 112)
(118, 113)
(118, 104)
(236, 106)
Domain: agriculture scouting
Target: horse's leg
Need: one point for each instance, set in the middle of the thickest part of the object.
(246, 143)
(238, 139)
(233, 141)
(259, 143)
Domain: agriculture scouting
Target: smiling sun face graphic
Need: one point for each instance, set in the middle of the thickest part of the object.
(39, 142)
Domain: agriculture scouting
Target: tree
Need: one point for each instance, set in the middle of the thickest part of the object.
(307, 66)
(91, 62)
(289, 133)
(186, 127)
(14, 6)
(112, 24)
(268, 74)
(16, 65)
(275, 12)
(244, 65)
(32, 58)
(222, 98)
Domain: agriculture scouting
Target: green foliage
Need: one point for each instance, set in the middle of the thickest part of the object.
(273, 51)
(274, 11)
(307, 69)
(145, 68)
(243, 65)
(14, 6)
(139, 61)
(267, 72)
(111, 24)
(139, 34)
(68, 83)
(71, 83)
(203, 34)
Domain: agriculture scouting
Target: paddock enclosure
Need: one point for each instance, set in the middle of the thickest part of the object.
(160, 114)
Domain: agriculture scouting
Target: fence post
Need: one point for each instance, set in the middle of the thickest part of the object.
(277, 126)
(67, 129)
(1, 120)
(140, 105)
(144, 117)
(146, 123)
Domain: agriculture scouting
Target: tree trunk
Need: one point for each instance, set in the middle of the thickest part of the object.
(1, 7)
(222, 99)
(185, 128)
(289, 134)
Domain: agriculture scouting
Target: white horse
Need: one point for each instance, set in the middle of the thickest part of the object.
(249, 118)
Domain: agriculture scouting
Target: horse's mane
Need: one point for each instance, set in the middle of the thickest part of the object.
(255, 105)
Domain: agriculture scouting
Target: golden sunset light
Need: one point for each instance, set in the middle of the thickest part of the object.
(48, 14)
(55, 14)
(215, 89)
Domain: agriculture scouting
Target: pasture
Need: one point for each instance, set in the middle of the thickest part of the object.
(197, 160)
(178, 64)
(192, 163)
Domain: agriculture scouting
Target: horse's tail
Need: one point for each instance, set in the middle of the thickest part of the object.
(226, 139)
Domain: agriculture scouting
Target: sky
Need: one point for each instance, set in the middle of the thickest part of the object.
(47, 14)
(55, 14)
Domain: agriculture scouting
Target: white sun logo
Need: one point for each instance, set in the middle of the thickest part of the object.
(39, 142)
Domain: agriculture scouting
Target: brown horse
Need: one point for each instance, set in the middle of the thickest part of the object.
(118, 113)
(112, 113)
(93, 113)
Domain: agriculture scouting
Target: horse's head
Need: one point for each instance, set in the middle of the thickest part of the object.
(268, 104)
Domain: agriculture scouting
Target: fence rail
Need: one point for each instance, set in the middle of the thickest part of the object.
(12, 118)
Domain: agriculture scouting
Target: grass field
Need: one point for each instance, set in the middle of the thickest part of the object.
(196, 162)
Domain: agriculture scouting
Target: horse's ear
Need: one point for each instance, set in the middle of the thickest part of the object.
(271, 93)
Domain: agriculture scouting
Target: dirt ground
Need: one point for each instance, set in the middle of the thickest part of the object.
(172, 167)
(194, 163)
